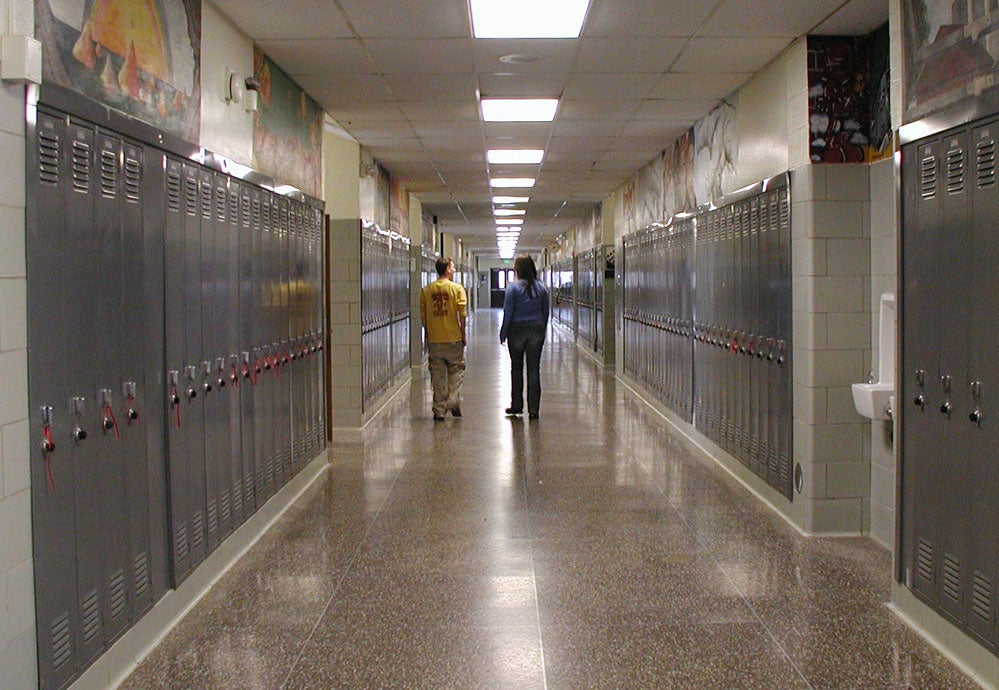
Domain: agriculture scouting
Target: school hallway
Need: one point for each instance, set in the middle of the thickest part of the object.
(594, 547)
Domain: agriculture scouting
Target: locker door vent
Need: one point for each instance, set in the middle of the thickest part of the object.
(225, 505)
(986, 164)
(924, 561)
(928, 177)
(220, 202)
(133, 178)
(213, 517)
(48, 158)
(109, 174)
(246, 211)
(952, 578)
(955, 171)
(206, 200)
(181, 544)
(91, 612)
(140, 570)
(81, 166)
(248, 487)
(198, 527)
(119, 601)
(981, 598)
(173, 191)
(62, 641)
(237, 495)
(192, 196)
(233, 206)
(785, 213)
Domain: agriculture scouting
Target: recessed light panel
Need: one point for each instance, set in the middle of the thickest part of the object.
(514, 156)
(511, 199)
(511, 182)
(527, 18)
(519, 109)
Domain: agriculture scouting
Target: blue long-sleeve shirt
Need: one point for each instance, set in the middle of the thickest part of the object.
(519, 306)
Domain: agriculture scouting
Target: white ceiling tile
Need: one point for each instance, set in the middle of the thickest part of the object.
(593, 109)
(289, 19)
(646, 18)
(448, 128)
(776, 18)
(580, 145)
(728, 54)
(426, 56)
(522, 85)
(431, 87)
(366, 111)
(638, 55)
(667, 109)
(429, 111)
(522, 134)
(663, 130)
(613, 86)
(320, 56)
(408, 19)
(345, 88)
(525, 56)
(582, 128)
(698, 85)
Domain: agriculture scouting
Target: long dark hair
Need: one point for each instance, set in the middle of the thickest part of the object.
(525, 269)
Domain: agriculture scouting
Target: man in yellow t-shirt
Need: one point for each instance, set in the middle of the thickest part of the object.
(443, 309)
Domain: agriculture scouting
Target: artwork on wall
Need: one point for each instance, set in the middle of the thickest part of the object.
(400, 208)
(142, 57)
(838, 99)
(714, 153)
(678, 176)
(949, 52)
(287, 132)
(647, 199)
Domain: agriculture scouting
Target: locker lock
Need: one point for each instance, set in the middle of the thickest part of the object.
(234, 370)
(946, 408)
(192, 393)
(79, 433)
(246, 365)
(48, 445)
(108, 422)
(976, 392)
(206, 369)
(128, 391)
(174, 377)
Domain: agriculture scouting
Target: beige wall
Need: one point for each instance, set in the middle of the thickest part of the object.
(226, 128)
(341, 162)
(17, 598)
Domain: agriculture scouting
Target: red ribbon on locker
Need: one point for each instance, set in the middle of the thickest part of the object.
(109, 416)
(48, 446)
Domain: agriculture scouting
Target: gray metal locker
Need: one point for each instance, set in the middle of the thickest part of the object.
(948, 437)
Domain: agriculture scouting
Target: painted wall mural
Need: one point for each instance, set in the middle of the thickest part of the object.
(949, 52)
(715, 151)
(142, 57)
(288, 129)
(400, 208)
(678, 176)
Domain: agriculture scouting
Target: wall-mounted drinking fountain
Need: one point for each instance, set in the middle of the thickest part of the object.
(876, 399)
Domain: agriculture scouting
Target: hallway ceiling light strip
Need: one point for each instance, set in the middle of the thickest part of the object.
(528, 18)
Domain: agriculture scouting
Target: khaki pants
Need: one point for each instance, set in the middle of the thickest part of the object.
(447, 371)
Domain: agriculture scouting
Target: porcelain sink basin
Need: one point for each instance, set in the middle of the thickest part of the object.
(873, 400)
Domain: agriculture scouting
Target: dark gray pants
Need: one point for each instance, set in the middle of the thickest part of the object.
(526, 338)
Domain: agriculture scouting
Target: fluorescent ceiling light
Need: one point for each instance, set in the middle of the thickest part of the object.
(511, 199)
(511, 182)
(508, 221)
(509, 212)
(519, 109)
(527, 18)
(514, 156)
(511, 230)
(504, 254)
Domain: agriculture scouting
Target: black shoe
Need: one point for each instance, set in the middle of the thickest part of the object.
(456, 411)
(438, 417)
(532, 415)
(511, 411)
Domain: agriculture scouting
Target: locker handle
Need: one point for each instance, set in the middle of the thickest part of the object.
(79, 433)
(946, 408)
(920, 401)
(48, 447)
(976, 417)
(109, 422)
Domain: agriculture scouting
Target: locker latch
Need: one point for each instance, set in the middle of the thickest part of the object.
(128, 391)
(48, 445)
(946, 407)
(173, 378)
(108, 421)
(234, 370)
(976, 394)
(920, 400)
(220, 366)
(206, 370)
(192, 392)
(77, 407)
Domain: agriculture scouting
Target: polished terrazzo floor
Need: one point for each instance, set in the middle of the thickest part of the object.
(592, 548)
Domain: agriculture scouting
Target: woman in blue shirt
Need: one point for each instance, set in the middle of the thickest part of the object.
(525, 320)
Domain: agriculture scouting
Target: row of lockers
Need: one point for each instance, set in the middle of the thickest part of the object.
(385, 309)
(175, 367)
(949, 376)
(707, 324)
